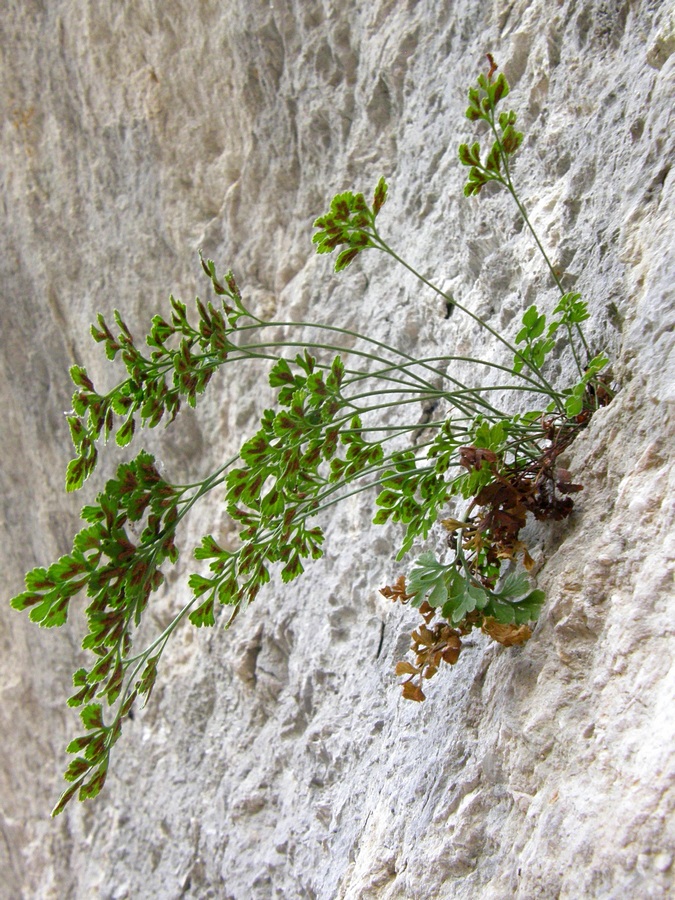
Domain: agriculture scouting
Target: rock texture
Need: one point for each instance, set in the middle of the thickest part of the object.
(278, 760)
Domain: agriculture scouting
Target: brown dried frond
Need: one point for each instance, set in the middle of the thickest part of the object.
(396, 591)
(472, 458)
(539, 487)
(431, 646)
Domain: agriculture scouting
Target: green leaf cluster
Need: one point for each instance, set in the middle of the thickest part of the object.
(359, 455)
(349, 221)
(282, 482)
(539, 339)
(483, 101)
(87, 773)
(118, 572)
(457, 595)
(411, 495)
(180, 365)
(487, 436)
(536, 347)
(578, 398)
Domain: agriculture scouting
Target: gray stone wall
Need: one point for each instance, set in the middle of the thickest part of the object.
(277, 760)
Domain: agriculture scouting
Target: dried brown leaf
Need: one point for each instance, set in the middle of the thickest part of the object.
(412, 691)
(405, 668)
(507, 635)
(452, 524)
(424, 636)
(472, 458)
(528, 562)
(396, 591)
(451, 654)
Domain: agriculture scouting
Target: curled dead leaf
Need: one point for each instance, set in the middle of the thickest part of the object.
(472, 458)
(406, 668)
(451, 654)
(413, 692)
(568, 487)
(424, 636)
(427, 612)
(396, 591)
(507, 635)
(452, 524)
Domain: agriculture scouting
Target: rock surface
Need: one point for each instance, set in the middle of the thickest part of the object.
(278, 760)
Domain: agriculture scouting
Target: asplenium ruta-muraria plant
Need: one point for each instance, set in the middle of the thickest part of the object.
(478, 468)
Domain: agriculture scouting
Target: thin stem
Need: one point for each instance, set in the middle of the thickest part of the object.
(347, 332)
(508, 184)
(425, 387)
(468, 359)
(450, 299)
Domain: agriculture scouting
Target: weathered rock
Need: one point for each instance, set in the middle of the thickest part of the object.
(278, 759)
